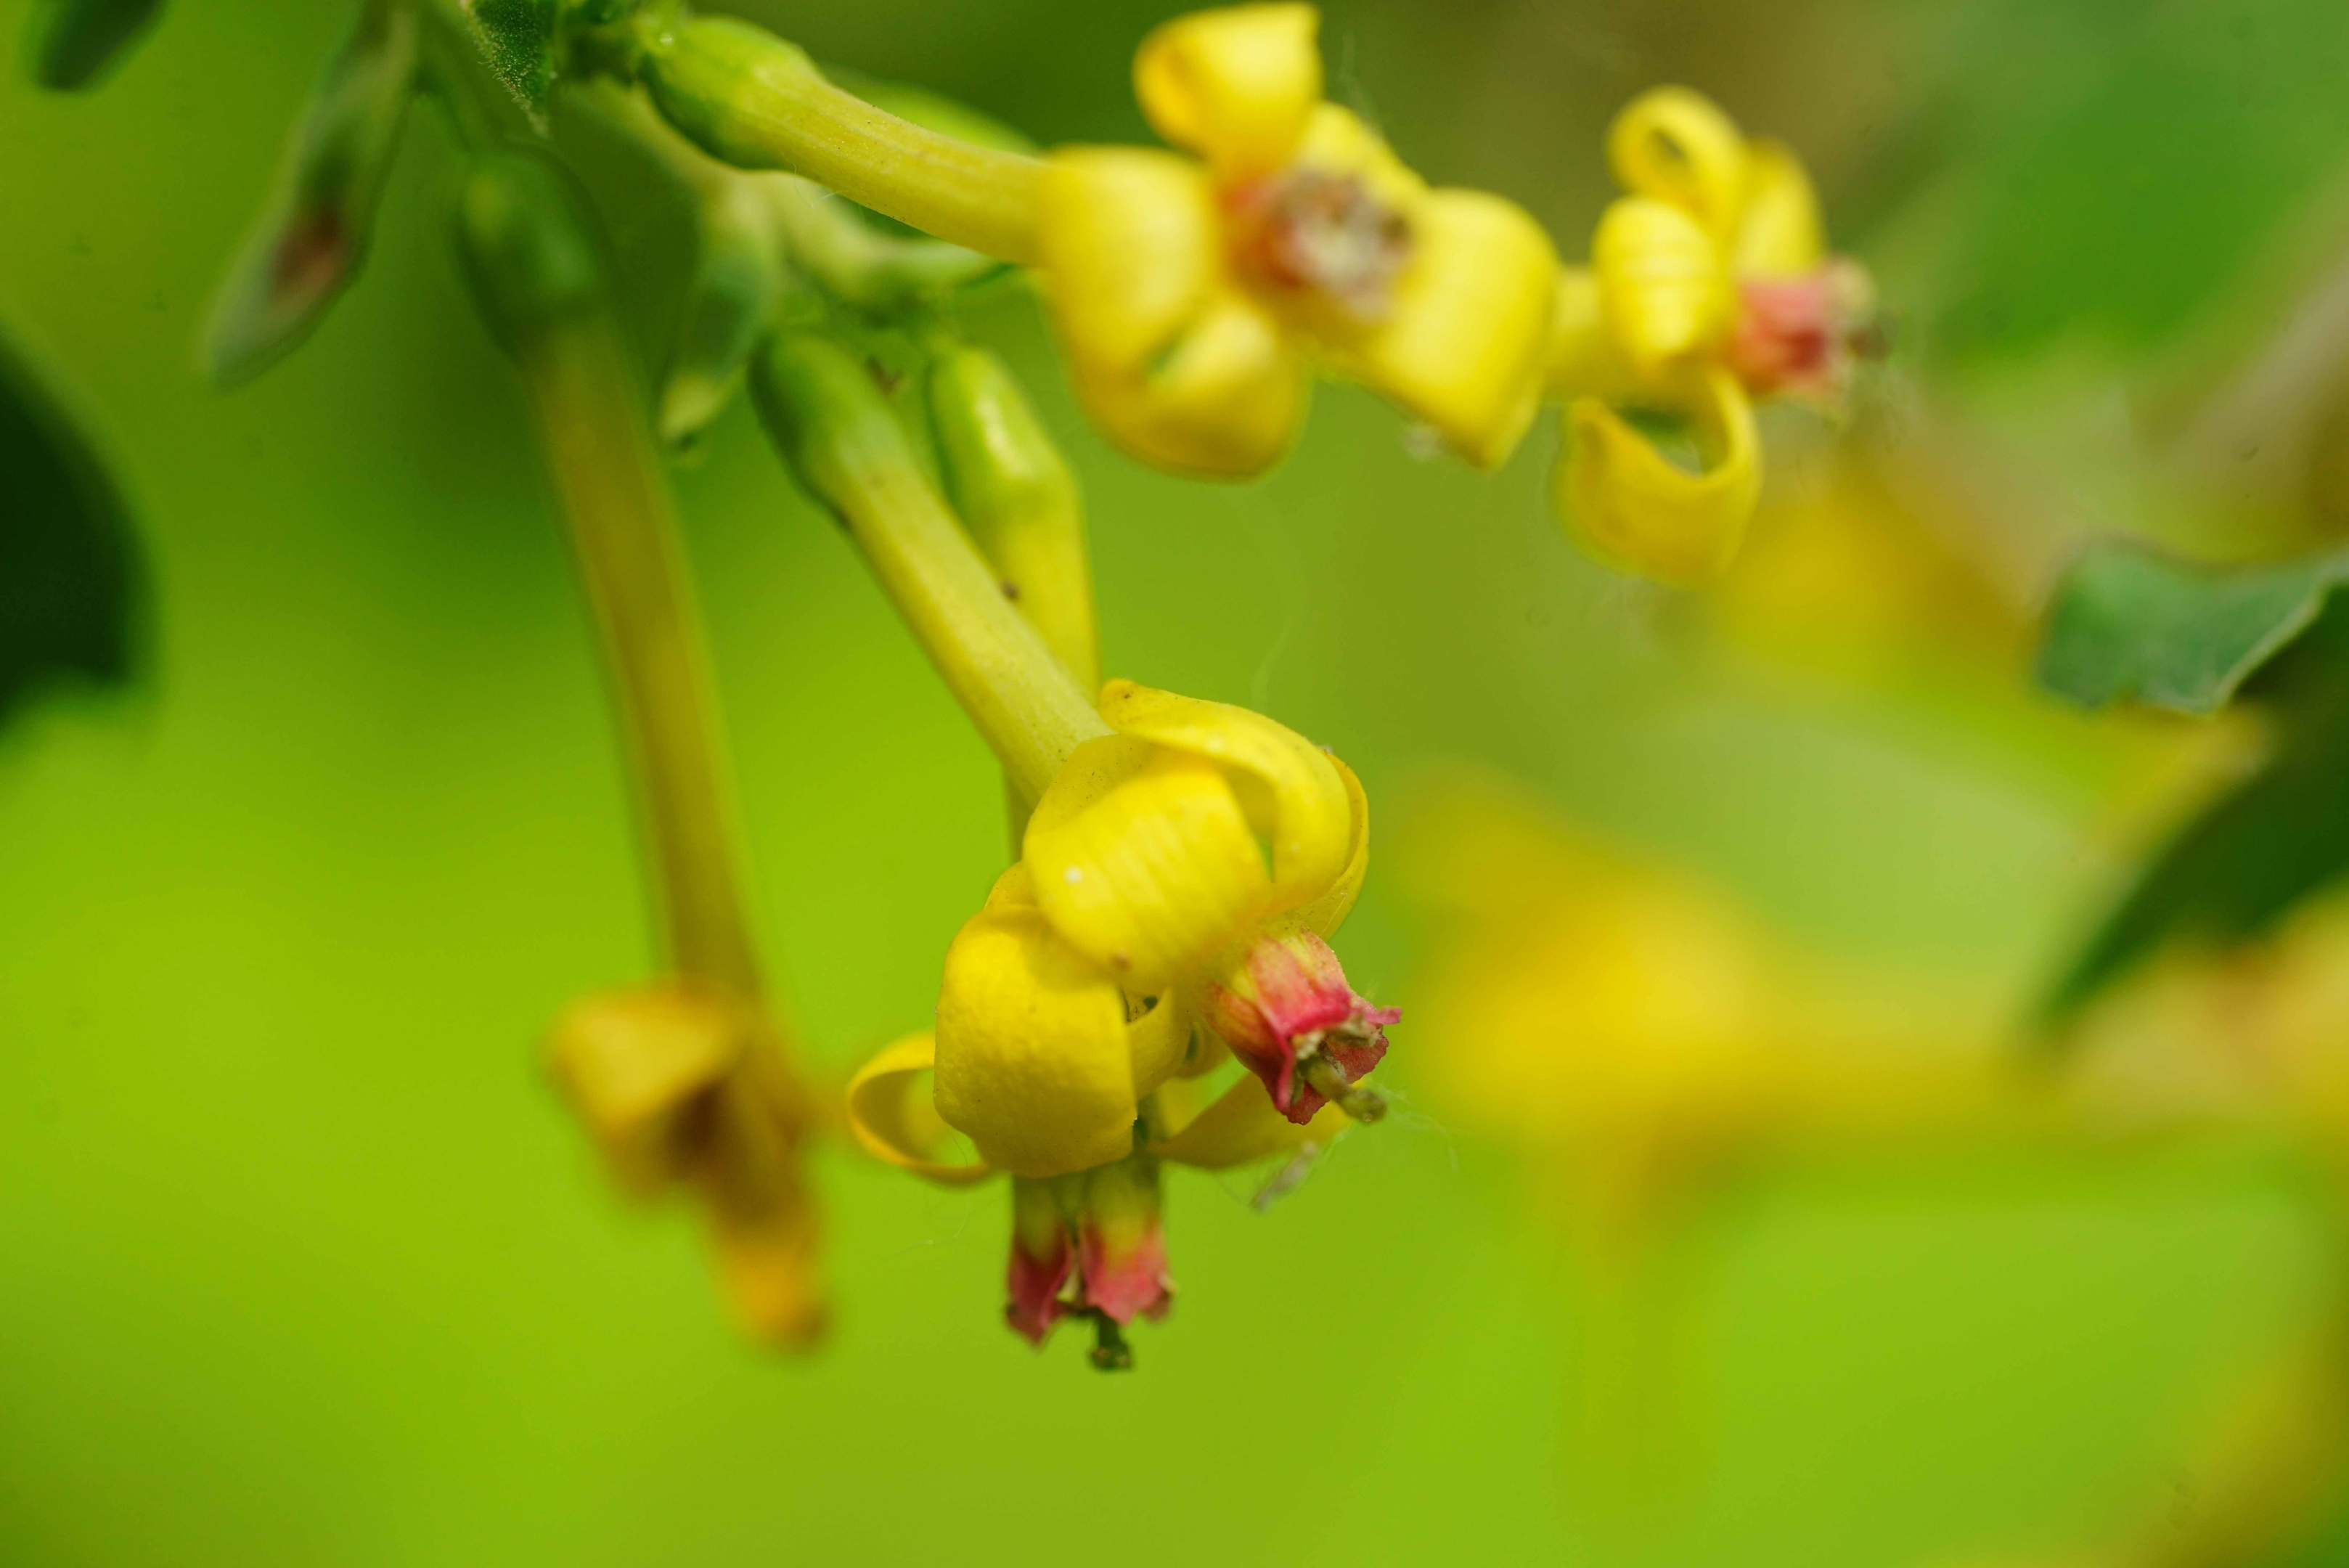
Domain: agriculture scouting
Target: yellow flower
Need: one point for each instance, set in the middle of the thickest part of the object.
(1193, 296)
(1637, 1027)
(1709, 284)
(1176, 880)
(679, 1090)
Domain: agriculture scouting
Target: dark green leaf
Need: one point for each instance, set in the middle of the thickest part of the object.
(2128, 623)
(77, 42)
(2279, 837)
(518, 40)
(68, 549)
(313, 236)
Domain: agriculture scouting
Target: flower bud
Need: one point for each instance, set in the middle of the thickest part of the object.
(77, 42)
(312, 236)
(1091, 1244)
(729, 304)
(527, 248)
(1015, 492)
(709, 75)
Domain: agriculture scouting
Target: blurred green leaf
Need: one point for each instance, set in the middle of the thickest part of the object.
(67, 551)
(518, 40)
(2279, 837)
(313, 236)
(2129, 623)
(2133, 157)
(77, 42)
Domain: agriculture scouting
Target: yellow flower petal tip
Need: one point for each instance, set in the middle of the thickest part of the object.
(1636, 508)
(890, 1114)
(1235, 86)
(1465, 345)
(1675, 145)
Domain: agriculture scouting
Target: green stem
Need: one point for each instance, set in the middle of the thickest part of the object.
(747, 96)
(832, 426)
(622, 533)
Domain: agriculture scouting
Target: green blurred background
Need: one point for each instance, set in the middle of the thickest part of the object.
(301, 1262)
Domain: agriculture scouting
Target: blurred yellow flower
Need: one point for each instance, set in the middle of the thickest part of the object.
(679, 1091)
(1637, 1028)
(1708, 286)
(1193, 297)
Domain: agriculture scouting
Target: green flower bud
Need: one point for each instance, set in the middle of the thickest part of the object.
(529, 249)
(312, 236)
(713, 77)
(729, 304)
(1016, 495)
(77, 42)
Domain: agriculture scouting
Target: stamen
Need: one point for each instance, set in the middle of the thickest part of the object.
(1309, 229)
(1109, 1352)
(1359, 1101)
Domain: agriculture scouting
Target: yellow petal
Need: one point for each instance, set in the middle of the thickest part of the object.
(1583, 356)
(1634, 508)
(1291, 790)
(1234, 85)
(1465, 343)
(1779, 234)
(1677, 146)
(891, 1113)
(1142, 860)
(1033, 1060)
(634, 1064)
(1241, 1126)
(1130, 247)
(1173, 362)
(1327, 912)
(1661, 282)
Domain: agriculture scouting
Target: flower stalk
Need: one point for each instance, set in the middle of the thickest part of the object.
(755, 101)
(685, 1083)
(829, 422)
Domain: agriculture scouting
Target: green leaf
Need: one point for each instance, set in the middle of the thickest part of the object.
(518, 38)
(2277, 837)
(77, 42)
(67, 554)
(312, 236)
(2128, 623)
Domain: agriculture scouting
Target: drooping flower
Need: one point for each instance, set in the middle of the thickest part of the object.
(1195, 297)
(1177, 881)
(680, 1093)
(1709, 285)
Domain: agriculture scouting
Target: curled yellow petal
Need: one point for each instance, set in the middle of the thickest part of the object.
(1241, 1126)
(1583, 354)
(1291, 790)
(1142, 860)
(1032, 1061)
(1324, 914)
(1676, 146)
(1661, 282)
(1234, 85)
(894, 1119)
(1779, 234)
(1465, 343)
(1171, 361)
(1635, 508)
